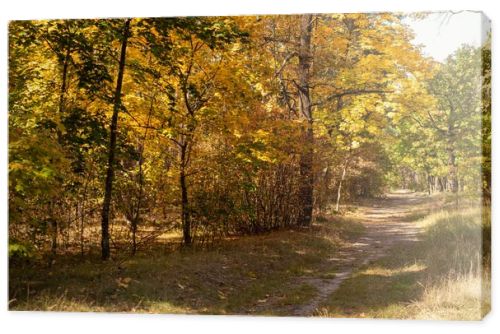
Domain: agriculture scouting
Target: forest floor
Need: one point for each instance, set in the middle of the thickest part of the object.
(369, 262)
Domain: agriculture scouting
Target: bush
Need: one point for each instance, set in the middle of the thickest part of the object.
(19, 252)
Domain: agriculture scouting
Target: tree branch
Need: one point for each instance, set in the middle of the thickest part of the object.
(352, 92)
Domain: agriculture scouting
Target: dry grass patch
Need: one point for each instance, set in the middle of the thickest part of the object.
(387, 272)
(444, 276)
(455, 298)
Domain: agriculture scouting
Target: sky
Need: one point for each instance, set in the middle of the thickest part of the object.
(442, 33)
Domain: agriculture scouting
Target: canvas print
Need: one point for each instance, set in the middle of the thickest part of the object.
(312, 165)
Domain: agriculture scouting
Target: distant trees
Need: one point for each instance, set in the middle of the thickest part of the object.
(220, 126)
(456, 119)
(440, 136)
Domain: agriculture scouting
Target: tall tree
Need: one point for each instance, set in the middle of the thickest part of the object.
(113, 128)
(306, 160)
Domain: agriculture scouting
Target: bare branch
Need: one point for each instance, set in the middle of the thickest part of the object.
(353, 92)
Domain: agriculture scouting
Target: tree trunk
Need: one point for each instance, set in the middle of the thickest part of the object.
(429, 183)
(112, 146)
(451, 138)
(306, 160)
(134, 237)
(55, 228)
(324, 199)
(452, 165)
(137, 214)
(81, 209)
(339, 190)
(82, 227)
(185, 215)
(62, 94)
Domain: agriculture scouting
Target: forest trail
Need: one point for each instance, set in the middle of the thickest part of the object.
(388, 221)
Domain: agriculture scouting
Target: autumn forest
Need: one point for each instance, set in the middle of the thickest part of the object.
(214, 165)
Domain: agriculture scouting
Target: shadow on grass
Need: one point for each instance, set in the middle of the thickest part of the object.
(238, 277)
(443, 276)
(389, 281)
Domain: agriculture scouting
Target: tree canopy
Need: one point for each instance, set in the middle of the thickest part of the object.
(218, 126)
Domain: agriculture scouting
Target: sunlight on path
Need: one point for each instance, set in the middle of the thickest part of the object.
(386, 223)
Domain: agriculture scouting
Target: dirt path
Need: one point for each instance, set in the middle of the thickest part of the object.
(388, 221)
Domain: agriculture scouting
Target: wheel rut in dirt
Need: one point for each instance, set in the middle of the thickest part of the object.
(386, 224)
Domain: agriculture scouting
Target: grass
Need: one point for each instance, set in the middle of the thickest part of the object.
(246, 275)
(444, 276)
